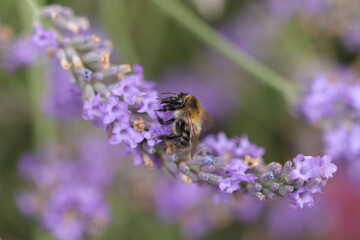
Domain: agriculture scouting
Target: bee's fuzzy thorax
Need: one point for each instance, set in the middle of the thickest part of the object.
(196, 110)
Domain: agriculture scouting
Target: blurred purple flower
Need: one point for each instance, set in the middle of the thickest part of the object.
(332, 101)
(246, 209)
(27, 202)
(22, 52)
(176, 201)
(319, 102)
(44, 38)
(351, 37)
(289, 223)
(343, 143)
(62, 98)
(67, 193)
(73, 211)
(287, 8)
(95, 170)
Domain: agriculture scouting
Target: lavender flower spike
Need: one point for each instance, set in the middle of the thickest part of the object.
(118, 99)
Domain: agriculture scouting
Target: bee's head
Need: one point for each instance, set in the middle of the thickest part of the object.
(180, 98)
(177, 99)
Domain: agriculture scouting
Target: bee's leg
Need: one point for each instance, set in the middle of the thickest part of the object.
(162, 110)
(178, 136)
(161, 121)
(173, 136)
(166, 108)
(167, 137)
(171, 120)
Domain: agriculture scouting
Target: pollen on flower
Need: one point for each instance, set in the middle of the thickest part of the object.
(185, 178)
(252, 162)
(50, 52)
(94, 38)
(122, 70)
(55, 16)
(84, 23)
(73, 27)
(139, 125)
(260, 196)
(104, 60)
(126, 68)
(77, 62)
(119, 76)
(65, 64)
(148, 162)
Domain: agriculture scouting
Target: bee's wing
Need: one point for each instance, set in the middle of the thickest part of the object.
(208, 121)
(194, 138)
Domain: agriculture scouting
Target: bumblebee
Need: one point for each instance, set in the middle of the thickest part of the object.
(189, 119)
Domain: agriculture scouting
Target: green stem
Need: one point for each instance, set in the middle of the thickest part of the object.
(34, 7)
(42, 127)
(198, 27)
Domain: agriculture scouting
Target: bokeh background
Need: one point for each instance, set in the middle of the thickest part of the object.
(291, 39)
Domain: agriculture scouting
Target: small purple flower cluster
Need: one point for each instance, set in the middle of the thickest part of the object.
(333, 102)
(123, 112)
(62, 98)
(235, 168)
(291, 7)
(67, 193)
(16, 51)
(337, 18)
(240, 162)
(176, 201)
(310, 174)
(331, 99)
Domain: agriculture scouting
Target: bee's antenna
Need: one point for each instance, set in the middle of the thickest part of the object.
(168, 93)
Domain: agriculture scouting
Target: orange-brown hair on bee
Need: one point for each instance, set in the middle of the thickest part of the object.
(189, 120)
